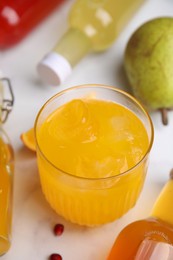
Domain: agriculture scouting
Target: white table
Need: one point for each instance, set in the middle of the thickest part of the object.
(33, 219)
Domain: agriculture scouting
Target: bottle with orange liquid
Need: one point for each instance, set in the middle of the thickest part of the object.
(6, 174)
(151, 238)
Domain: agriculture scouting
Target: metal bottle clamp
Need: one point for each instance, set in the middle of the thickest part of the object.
(7, 104)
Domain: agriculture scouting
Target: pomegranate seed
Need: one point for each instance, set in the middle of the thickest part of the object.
(58, 229)
(55, 257)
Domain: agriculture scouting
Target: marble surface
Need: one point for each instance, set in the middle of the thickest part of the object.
(33, 219)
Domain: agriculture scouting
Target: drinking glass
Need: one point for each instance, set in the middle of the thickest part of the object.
(92, 201)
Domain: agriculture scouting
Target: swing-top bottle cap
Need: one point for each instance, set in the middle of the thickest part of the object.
(6, 104)
(54, 68)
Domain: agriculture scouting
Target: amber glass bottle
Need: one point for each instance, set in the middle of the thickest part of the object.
(149, 236)
(6, 173)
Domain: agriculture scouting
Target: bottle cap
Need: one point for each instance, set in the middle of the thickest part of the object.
(6, 104)
(54, 68)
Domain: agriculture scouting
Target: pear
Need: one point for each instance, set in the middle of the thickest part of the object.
(148, 64)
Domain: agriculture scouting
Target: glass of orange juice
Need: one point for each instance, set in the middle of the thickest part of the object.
(93, 144)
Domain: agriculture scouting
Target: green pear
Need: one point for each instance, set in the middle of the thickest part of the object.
(148, 64)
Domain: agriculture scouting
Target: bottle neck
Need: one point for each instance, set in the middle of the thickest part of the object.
(163, 208)
(1, 99)
(73, 46)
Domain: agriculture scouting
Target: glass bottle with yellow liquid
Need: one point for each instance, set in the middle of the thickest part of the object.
(94, 25)
(151, 238)
(6, 173)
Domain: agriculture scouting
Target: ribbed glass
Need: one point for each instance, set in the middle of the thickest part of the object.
(89, 201)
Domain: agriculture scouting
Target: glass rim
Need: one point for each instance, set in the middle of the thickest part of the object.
(104, 87)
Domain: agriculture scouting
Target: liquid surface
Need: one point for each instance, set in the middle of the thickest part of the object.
(93, 138)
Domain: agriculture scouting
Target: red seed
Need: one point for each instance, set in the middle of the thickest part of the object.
(58, 229)
(55, 257)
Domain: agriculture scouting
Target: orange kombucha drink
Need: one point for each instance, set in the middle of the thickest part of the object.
(6, 175)
(92, 145)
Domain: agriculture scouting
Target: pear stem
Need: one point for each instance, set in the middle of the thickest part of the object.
(164, 114)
